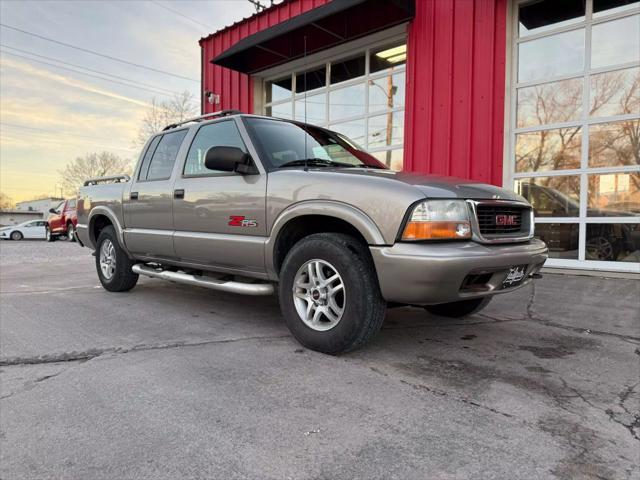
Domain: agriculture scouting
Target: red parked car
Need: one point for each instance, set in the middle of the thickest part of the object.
(62, 221)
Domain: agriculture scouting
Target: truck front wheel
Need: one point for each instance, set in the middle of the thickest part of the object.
(113, 264)
(459, 309)
(329, 293)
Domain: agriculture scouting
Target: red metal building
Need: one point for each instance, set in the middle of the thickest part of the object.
(482, 89)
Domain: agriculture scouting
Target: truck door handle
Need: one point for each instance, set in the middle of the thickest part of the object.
(179, 193)
(133, 196)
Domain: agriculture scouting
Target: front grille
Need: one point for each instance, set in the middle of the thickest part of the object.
(502, 219)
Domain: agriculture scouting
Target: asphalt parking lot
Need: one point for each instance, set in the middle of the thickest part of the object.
(169, 381)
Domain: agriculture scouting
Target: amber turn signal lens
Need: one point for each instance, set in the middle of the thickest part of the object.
(436, 231)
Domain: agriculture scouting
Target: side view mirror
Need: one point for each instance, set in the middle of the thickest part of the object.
(53, 210)
(227, 159)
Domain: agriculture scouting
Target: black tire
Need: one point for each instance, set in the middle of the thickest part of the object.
(70, 232)
(123, 278)
(459, 309)
(16, 235)
(48, 235)
(364, 307)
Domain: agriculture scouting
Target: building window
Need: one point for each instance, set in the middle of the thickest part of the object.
(360, 95)
(575, 128)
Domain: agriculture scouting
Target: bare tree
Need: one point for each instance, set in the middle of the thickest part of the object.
(6, 202)
(162, 113)
(92, 165)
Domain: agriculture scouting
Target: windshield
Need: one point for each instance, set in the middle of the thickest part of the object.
(284, 144)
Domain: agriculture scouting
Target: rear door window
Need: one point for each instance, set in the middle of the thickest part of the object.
(164, 156)
(147, 157)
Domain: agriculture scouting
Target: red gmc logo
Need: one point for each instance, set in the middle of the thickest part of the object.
(506, 219)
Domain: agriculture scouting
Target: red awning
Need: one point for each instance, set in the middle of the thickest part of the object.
(332, 24)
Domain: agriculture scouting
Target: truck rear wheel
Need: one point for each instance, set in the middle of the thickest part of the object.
(459, 309)
(113, 264)
(329, 293)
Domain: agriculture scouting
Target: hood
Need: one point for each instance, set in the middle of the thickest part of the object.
(437, 186)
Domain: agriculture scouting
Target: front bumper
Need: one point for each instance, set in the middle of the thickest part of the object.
(424, 274)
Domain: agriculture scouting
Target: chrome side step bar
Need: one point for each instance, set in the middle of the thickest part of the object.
(207, 282)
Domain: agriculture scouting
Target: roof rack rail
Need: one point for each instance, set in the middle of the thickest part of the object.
(200, 118)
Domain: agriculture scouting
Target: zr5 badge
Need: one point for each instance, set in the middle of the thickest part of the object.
(241, 221)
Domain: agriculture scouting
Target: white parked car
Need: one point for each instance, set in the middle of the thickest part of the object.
(31, 229)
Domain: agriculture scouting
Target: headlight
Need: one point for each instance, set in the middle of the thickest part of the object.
(438, 220)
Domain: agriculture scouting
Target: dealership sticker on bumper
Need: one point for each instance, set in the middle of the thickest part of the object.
(515, 276)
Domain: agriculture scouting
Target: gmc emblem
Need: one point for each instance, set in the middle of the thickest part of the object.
(506, 220)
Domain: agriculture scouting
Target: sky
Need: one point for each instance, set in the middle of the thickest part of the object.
(49, 115)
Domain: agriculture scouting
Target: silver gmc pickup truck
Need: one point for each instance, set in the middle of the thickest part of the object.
(250, 204)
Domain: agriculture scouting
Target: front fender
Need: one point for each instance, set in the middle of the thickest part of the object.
(350, 214)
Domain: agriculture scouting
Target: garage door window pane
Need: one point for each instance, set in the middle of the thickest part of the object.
(386, 129)
(551, 56)
(353, 130)
(561, 239)
(615, 93)
(391, 158)
(347, 69)
(554, 102)
(316, 108)
(386, 92)
(608, 7)
(311, 80)
(614, 144)
(282, 110)
(613, 242)
(540, 16)
(614, 195)
(387, 58)
(278, 89)
(557, 149)
(616, 42)
(346, 102)
(551, 196)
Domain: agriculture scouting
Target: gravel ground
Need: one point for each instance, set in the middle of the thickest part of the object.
(168, 381)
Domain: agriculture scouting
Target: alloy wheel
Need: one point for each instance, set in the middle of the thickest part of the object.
(107, 259)
(319, 295)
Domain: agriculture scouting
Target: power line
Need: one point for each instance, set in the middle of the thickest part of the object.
(82, 144)
(182, 15)
(86, 50)
(88, 69)
(58, 132)
(157, 92)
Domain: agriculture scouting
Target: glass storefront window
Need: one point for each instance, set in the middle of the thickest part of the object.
(548, 103)
(552, 56)
(361, 95)
(387, 129)
(386, 92)
(613, 242)
(615, 93)
(614, 144)
(346, 102)
(540, 16)
(575, 141)
(551, 196)
(615, 42)
(544, 150)
(614, 195)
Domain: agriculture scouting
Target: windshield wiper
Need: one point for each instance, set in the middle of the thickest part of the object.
(316, 162)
